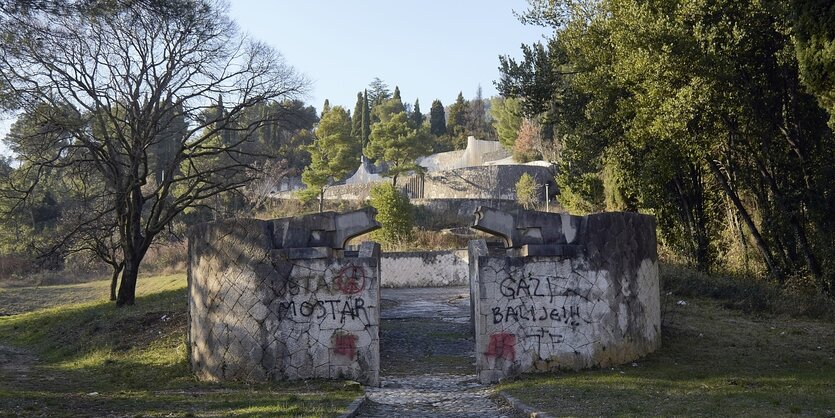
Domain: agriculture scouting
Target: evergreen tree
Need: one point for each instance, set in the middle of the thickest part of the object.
(527, 191)
(394, 212)
(417, 117)
(507, 118)
(334, 154)
(398, 144)
(356, 121)
(377, 92)
(437, 119)
(326, 107)
(366, 120)
(456, 123)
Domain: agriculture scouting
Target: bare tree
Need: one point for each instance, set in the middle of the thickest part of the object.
(121, 75)
(265, 181)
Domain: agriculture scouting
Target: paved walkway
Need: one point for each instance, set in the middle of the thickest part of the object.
(427, 361)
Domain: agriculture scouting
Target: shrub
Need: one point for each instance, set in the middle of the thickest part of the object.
(394, 212)
(526, 191)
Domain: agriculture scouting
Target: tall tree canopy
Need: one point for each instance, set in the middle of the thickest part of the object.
(397, 142)
(694, 111)
(416, 115)
(437, 119)
(334, 154)
(114, 78)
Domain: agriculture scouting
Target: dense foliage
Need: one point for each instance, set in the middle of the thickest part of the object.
(394, 213)
(123, 106)
(705, 113)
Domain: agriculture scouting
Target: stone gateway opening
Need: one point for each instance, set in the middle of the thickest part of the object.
(284, 300)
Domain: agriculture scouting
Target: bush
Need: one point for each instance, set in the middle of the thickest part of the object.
(526, 191)
(394, 212)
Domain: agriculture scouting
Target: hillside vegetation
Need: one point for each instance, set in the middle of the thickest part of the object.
(85, 357)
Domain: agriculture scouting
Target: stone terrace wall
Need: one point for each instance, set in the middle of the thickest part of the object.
(594, 306)
(259, 313)
(483, 182)
(425, 269)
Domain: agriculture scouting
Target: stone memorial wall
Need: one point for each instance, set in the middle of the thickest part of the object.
(279, 300)
(565, 292)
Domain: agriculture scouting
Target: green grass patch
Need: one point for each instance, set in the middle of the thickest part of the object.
(93, 359)
(16, 300)
(713, 361)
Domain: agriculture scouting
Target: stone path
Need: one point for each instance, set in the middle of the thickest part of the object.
(426, 354)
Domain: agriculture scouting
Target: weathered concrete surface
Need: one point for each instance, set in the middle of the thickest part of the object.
(593, 308)
(424, 268)
(262, 309)
(525, 227)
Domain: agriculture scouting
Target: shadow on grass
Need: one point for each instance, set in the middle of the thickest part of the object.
(94, 359)
(713, 361)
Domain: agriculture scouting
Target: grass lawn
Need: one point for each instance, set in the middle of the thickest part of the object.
(85, 357)
(713, 361)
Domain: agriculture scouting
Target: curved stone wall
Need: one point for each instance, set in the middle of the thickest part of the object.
(587, 296)
(259, 311)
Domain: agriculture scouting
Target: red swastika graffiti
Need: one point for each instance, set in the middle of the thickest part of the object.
(350, 280)
(502, 345)
(345, 345)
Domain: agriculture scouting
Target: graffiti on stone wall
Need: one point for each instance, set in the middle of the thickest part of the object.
(350, 280)
(540, 314)
(502, 345)
(534, 299)
(343, 306)
(345, 344)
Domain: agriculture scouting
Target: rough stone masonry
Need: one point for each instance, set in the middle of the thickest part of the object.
(564, 292)
(280, 299)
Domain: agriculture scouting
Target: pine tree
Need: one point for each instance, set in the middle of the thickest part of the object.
(333, 154)
(437, 119)
(417, 117)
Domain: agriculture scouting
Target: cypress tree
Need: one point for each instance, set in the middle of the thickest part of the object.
(437, 119)
(417, 117)
(366, 119)
(326, 107)
(356, 121)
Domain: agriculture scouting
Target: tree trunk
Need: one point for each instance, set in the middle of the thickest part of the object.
(758, 239)
(134, 246)
(794, 222)
(322, 200)
(117, 269)
(127, 291)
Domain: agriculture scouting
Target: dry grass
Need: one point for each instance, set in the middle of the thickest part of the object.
(93, 359)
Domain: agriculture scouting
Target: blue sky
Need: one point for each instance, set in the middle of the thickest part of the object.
(431, 49)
